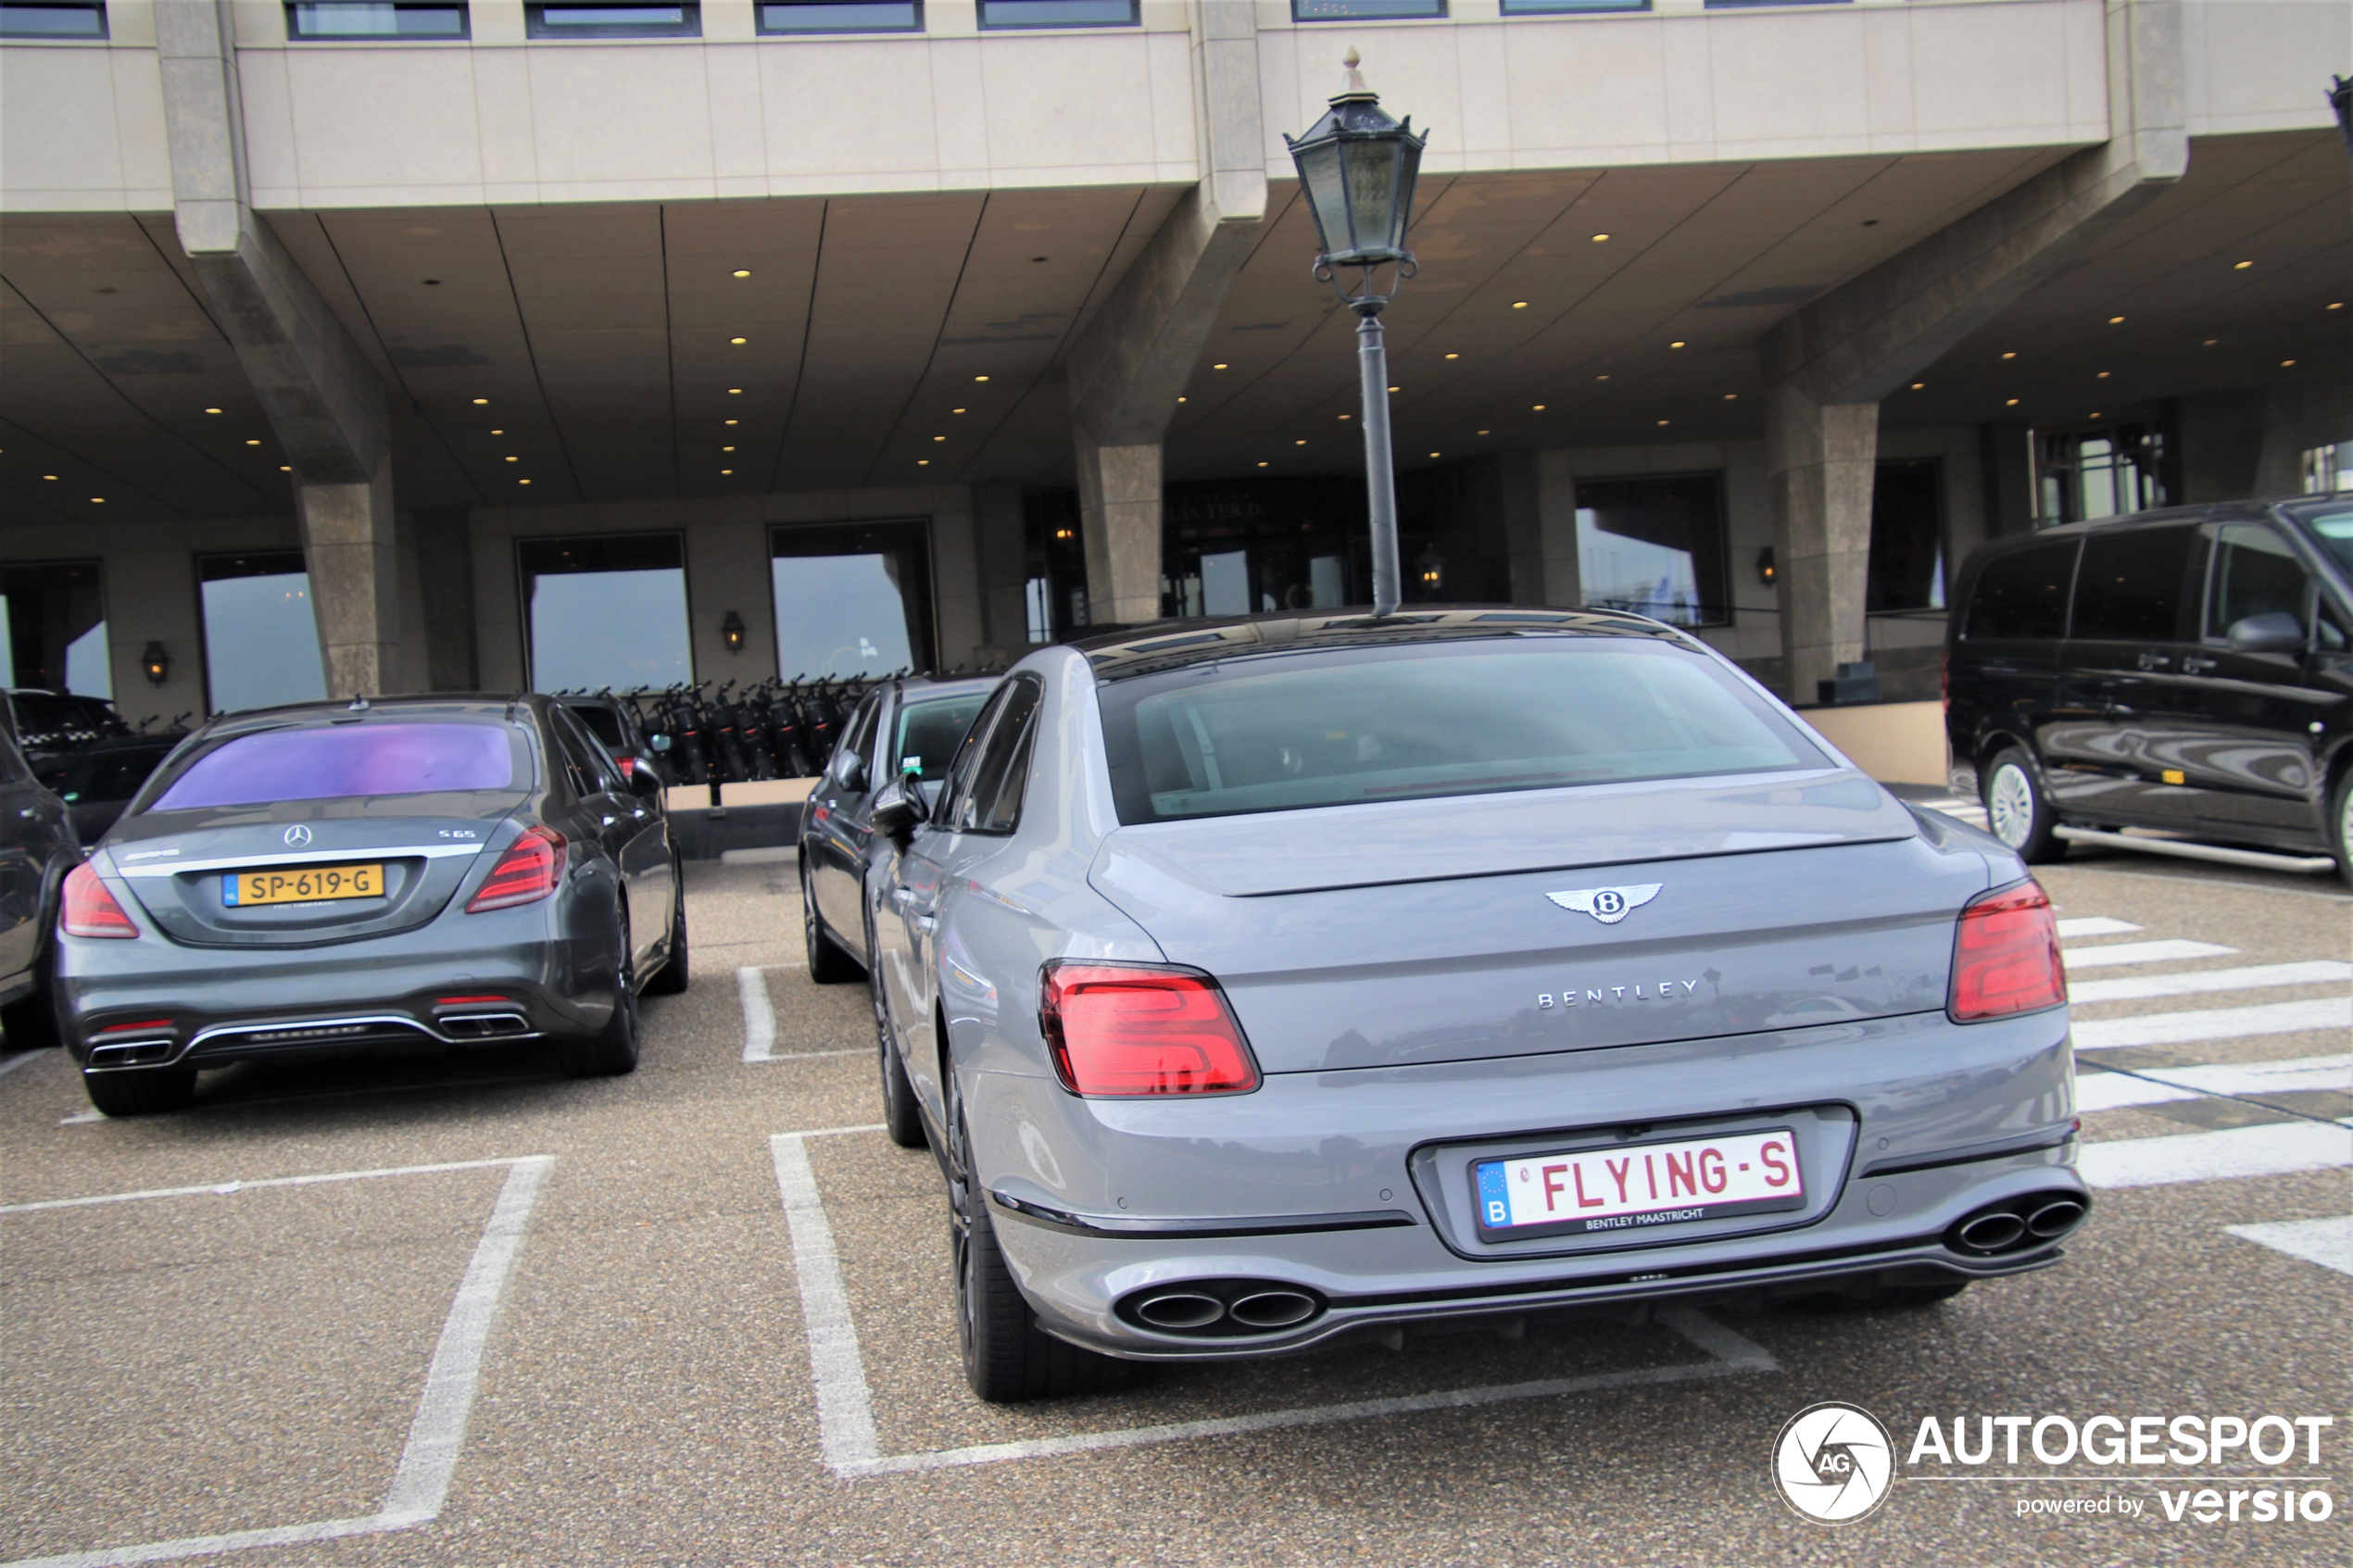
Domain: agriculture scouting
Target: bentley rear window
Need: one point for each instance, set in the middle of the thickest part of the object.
(1274, 733)
(344, 761)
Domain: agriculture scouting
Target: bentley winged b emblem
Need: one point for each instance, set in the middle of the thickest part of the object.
(1608, 905)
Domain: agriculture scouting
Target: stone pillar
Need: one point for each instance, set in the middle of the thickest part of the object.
(1119, 505)
(1818, 462)
(1001, 551)
(349, 543)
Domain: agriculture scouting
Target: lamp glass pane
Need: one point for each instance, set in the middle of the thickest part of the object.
(1372, 194)
(1319, 171)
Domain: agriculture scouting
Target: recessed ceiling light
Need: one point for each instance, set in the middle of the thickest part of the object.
(743, 271)
(97, 500)
(2012, 355)
(1482, 433)
(1301, 442)
(1538, 407)
(923, 462)
(1262, 463)
(514, 459)
(1731, 395)
(980, 377)
(1678, 344)
(1180, 399)
(1396, 389)
(2335, 305)
(726, 470)
(480, 401)
(960, 411)
(285, 468)
(522, 482)
(940, 438)
(2209, 342)
(2102, 376)
(1601, 378)
(2010, 404)
(253, 441)
(726, 448)
(2095, 413)
(1600, 238)
(730, 421)
(2286, 363)
(1220, 367)
(1920, 386)
(502, 432)
(2241, 265)
(734, 392)
(1662, 422)
(2115, 320)
(1519, 305)
(1437, 453)
(212, 410)
(1453, 356)
(48, 476)
(736, 340)
(1343, 416)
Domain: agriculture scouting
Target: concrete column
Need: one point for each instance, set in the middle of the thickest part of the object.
(1119, 504)
(1000, 548)
(1819, 460)
(349, 544)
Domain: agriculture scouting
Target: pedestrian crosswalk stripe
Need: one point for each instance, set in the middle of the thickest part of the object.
(2251, 977)
(2156, 1086)
(2214, 1023)
(2277, 1148)
(2093, 925)
(2326, 1242)
(2141, 952)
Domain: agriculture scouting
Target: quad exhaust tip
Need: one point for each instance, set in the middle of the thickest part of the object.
(1223, 1307)
(2017, 1223)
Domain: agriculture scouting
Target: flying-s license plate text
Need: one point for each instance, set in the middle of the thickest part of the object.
(1638, 1185)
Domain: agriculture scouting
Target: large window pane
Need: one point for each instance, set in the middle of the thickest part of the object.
(606, 612)
(842, 16)
(53, 21)
(851, 598)
(1654, 545)
(53, 628)
(260, 638)
(1364, 10)
(360, 19)
(1057, 13)
(594, 21)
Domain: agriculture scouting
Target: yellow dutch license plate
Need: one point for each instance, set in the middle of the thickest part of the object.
(302, 884)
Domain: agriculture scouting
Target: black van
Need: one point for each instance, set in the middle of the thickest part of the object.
(2188, 669)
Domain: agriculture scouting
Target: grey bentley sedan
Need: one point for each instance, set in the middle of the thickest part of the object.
(1265, 981)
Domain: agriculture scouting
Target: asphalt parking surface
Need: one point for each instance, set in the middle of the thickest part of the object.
(587, 1340)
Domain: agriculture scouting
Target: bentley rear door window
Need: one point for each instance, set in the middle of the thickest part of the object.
(1284, 731)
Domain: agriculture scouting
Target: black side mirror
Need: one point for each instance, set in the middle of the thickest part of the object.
(897, 813)
(851, 774)
(643, 778)
(2274, 630)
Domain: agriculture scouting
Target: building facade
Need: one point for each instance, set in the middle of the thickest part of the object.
(494, 344)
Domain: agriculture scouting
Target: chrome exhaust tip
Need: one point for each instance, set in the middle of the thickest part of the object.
(1991, 1233)
(1272, 1309)
(2054, 1218)
(1180, 1310)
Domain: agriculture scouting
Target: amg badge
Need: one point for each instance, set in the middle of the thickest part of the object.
(1608, 905)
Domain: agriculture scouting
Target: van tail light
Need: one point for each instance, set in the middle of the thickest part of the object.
(524, 874)
(90, 909)
(1122, 1030)
(2006, 956)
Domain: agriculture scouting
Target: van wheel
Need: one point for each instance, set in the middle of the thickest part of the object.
(2018, 810)
(141, 1091)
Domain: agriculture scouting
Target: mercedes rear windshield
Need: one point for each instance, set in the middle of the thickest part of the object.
(342, 761)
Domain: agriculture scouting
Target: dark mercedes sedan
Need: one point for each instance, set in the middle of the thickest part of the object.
(905, 731)
(406, 876)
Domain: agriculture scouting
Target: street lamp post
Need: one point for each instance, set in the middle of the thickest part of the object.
(1357, 166)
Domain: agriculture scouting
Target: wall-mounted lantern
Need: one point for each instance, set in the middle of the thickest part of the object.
(1429, 572)
(1765, 565)
(156, 663)
(730, 631)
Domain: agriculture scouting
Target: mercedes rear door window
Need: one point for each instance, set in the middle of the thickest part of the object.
(338, 762)
(1281, 731)
(929, 731)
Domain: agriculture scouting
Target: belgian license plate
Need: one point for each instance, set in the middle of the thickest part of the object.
(1634, 1186)
(302, 884)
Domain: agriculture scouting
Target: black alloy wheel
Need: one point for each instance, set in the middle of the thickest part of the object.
(141, 1091)
(613, 1050)
(672, 977)
(828, 965)
(2018, 810)
(1008, 1359)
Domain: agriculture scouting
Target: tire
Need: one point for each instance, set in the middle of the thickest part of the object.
(142, 1091)
(901, 1118)
(613, 1050)
(1008, 1359)
(828, 965)
(2018, 810)
(2341, 826)
(30, 1022)
(672, 977)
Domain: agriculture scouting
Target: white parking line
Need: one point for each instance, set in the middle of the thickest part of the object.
(12, 1063)
(2279, 1148)
(2093, 925)
(2214, 1023)
(223, 1189)
(845, 1407)
(2249, 977)
(2155, 1085)
(760, 1019)
(421, 1483)
(2165, 951)
(2326, 1242)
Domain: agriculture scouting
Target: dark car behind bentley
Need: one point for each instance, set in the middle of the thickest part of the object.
(414, 875)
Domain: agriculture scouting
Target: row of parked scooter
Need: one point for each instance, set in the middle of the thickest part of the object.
(773, 729)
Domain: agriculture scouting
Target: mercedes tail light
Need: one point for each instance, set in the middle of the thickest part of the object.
(1121, 1029)
(524, 874)
(90, 909)
(2006, 956)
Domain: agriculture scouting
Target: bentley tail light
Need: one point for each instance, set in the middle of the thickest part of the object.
(90, 909)
(524, 874)
(1117, 1030)
(2006, 956)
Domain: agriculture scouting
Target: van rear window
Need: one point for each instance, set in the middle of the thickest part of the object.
(346, 761)
(2023, 594)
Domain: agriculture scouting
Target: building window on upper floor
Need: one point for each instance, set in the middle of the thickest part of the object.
(1568, 8)
(612, 20)
(842, 16)
(1365, 10)
(361, 20)
(1058, 13)
(53, 21)
(1730, 5)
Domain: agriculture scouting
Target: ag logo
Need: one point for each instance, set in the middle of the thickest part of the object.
(1608, 905)
(1833, 1463)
